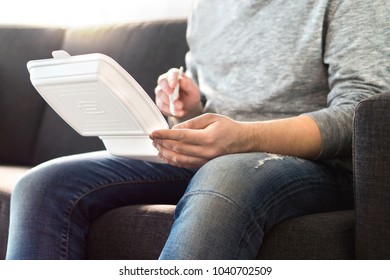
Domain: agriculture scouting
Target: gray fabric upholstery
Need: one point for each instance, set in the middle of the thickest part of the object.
(125, 233)
(372, 177)
(132, 232)
(319, 236)
(20, 107)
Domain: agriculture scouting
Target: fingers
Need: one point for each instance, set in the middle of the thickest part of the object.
(191, 132)
(165, 86)
(198, 140)
(181, 147)
(168, 80)
(188, 136)
(171, 154)
(199, 122)
(185, 147)
(162, 100)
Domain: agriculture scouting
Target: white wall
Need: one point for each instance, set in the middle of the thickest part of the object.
(89, 12)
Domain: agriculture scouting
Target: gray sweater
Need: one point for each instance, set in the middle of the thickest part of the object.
(267, 59)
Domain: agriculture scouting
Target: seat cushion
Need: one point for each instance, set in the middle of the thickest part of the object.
(328, 235)
(140, 232)
(135, 232)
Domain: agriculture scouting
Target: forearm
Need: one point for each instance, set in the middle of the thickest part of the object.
(196, 141)
(297, 136)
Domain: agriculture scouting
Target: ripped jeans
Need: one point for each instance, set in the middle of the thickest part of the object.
(223, 209)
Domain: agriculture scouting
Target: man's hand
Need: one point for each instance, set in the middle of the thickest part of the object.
(193, 143)
(187, 105)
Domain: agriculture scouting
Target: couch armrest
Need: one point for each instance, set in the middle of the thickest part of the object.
(371, 163)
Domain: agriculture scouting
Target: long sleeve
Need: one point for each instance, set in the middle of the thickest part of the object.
(357, 53)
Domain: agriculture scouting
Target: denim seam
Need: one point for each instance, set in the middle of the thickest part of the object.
(192, 193)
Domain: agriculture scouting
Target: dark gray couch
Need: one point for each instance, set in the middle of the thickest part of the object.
(32, 133)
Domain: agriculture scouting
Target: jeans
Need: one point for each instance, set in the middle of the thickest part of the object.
(223, 209)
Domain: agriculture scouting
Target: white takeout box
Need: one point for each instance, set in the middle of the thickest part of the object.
(97, 97)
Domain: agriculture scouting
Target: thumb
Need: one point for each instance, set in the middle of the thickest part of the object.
(185, 83)
(199, 122)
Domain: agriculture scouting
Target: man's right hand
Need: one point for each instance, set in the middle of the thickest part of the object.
(187, 105)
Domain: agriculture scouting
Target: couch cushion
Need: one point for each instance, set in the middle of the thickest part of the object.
(328, 235)
(134, 232)
(140, 231)
(21, 107)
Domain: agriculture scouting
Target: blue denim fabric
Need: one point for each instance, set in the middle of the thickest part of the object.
(53, 205)
(228, 206)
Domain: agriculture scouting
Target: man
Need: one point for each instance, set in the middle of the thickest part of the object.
(264, 131)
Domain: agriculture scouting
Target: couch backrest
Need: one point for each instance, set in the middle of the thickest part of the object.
(144, 49)
(21, 108)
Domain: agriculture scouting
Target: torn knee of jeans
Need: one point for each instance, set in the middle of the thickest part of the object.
(270, 157)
